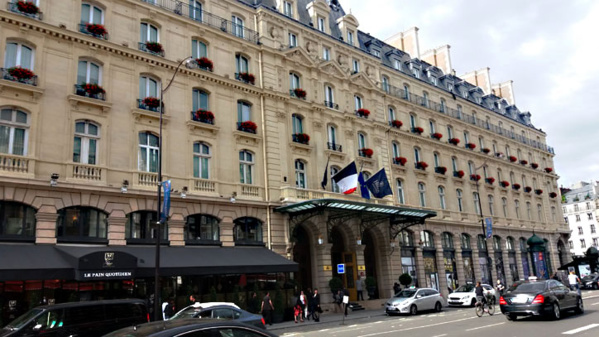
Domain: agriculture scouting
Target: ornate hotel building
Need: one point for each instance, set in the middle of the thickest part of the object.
(275, 93)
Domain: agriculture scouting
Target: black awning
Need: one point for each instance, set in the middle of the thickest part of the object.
(33, 262)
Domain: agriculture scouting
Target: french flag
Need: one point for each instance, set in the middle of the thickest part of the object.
(347, 179)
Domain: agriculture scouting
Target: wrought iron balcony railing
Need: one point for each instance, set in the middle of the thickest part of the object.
(331, 105)
(334, 147)
(13, 7)
(80, 91)
(7, 76)
(84, 28)
(144, 47)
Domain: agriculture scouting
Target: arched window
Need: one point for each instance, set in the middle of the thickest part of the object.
(237, 26)
(89, 72)
(297, 124)
(329, 96)
(465, 241)
(406, 239)
(406, 92)
(148, 33)
(491, 205)
(443, 106)
(18, 55)
(413, 122)
(416, 155)
(81, 224)
(460, 111)
(300, 174)
(200, 100)
(334, 186)
(539, 212)
(460, 196)
(442, 197)
(454, 164)
(512, 178)
(148, 152)
(242, 64)
(87, 135)
(202, 228)
(141, 227)
(427, 239)
(17, 220)
(91, 14)
(358, 102)
(432, 126)
(332, 136)
(449, 132)
(481, 143)
(391, 114)
(361, 140)
(474, 117)
(195, 10)
(499, 175)
(294, 81)
(246, 167)
(466, 137)
(476, 200)
(14, 132)
(436, 159)
(504, 206)
(247, 231)
(509, 244)
(201, 160)
(422, 194)
(385, 83)
(148, 87)
(425, 99)
(400, 192)
(496, 243)
(471, 168)
(482, 243)
(447, 240)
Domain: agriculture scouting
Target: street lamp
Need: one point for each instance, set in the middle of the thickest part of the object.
(482, 222)
(157, 311)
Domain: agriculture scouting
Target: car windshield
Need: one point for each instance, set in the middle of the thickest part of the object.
(20, 321)
(534, 288)
(466, 288)
(189, 312)
(406, 293)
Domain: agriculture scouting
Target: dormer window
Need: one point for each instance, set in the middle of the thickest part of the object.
(433, 80)
(464, 93)
(376, 53)
(350, 37)
(288, 9)
(320, 22)
(396, 64)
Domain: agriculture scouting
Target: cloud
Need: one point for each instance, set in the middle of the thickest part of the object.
(534, 47)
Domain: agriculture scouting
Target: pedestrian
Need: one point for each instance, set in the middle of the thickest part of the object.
(297, 310)
(192, 299)
(360, 287)
(338, 300)
(303, 304)
(164, 306)
(345, 305)
(169, 310)
(499, 287)
(315, 302)
(396, 288)
(309, 306)
(254, 303)
(267, 308)
(574, 282)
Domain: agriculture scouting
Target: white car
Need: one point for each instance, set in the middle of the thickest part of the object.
(410, 301)
(465, 295)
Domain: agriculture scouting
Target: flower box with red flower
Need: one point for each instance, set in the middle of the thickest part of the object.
(302, 138)
(92, 88)
(27, 7)
(154, 47)
(205, 63)
(458, 174)
(151, 102)
(440, 169)
(437, 135)
(490, 180)
(366, 152)
(548, 169)
(396, 123)
(204, 116)
(527, 189)
(475, 177)
(363, 112)
(299, 93)
(421, 165)
(453, 141)
(21, 74)
(538, 191)
(504, 183)
(247, 126)
(534, 165)
(417, 130)
(471, 146)
(486, 150)
(499, 154)
(523, 162)
(247, 78)
(400, 161)
(513, 159)
(516, 187)
(96, 29)
(552, 194)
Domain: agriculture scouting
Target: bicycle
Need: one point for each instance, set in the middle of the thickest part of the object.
(485, 306)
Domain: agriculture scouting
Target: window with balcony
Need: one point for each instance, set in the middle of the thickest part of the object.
(89, 80)
(406, 92)
(425, 102)
(87, 136)
(443, 106)
(391, 114)
(17, 221)
(437, 159)
(454, 164)
(482, 243)
(333, 143)
(417, 157)
(334, 186)
(92, 20)
(300, 174)
(413, 122)
(504, 206)
(247, 231)
(471, 169)
(476, 199)
(149, 93)
(200, 102)
(385, 83)
(460, 199)
(238, 26)
(148, 152)
(201, 160)
(202, 228)
(244, 117)
(14, 131)
(141, 227)
(358, 102)
(81, 224)
(199, 49)
(18, 63)
(149, 39)
(442, 203)
(246, 167)
(329, 97)
(432, 126)
(395, 149)
(195, 10)
(400, 192)
(459, 112)
(466, 137)
(422, 194)
(449, 132)
(406, 239)
(241, 64)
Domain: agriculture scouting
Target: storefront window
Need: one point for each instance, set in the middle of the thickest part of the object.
(17, 221)
(248, 231)
(81, 224)
(201, 228)
(141, 227)
(408, 266)
(427, 239)
(447, 240)
(466, 241)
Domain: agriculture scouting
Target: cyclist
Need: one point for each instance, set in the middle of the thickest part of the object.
(480, 294)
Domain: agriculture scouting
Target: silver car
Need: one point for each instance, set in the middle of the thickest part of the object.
(411, 301)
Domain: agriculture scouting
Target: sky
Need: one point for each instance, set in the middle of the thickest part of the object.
(549, 48)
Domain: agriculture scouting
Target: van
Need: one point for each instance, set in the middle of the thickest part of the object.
(78, 319)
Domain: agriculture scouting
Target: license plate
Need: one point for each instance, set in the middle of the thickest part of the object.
(519, 300)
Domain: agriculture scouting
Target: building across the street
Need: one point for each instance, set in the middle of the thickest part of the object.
(266, 101)
(579, 205)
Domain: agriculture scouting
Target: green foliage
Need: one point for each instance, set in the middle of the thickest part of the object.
(370, 281)
(212, 294)
(335, 284)
(405, 279)
(278, 301)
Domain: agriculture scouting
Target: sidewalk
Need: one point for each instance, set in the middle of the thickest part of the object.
(327, 318)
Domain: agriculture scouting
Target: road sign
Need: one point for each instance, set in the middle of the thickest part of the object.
(341, 268)
(489, 225)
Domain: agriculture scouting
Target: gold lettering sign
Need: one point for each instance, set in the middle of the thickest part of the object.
(327, 268)
(362, 268)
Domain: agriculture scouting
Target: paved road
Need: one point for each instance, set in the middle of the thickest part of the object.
(451, 322)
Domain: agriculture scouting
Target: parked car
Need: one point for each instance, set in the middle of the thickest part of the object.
(539, 298)
(410, 301)
(590, 281)
(89, 319)
(192, 327)
(220, 310)
(465, 296)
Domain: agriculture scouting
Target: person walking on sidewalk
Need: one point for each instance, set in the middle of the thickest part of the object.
(345, 305)
(360, 287)
(316, 311)
(267, 309)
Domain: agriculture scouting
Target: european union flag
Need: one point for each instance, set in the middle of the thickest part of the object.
(379, 185)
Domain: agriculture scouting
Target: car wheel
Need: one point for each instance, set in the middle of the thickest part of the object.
(473, 303)
(579, 306)
(556, 314)
(511, 317)
(438, 307)
(413, 310)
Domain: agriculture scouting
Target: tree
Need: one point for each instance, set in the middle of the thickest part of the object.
(405, 279)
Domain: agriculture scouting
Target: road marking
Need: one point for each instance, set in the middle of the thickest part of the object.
(571, 332)
(441, 335)
(486, 326)
(416, 327)
(595, 303)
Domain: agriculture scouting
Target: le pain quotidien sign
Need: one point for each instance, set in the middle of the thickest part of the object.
(107, 266)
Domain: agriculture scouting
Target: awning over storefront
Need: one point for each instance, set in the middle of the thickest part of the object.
(35, 262)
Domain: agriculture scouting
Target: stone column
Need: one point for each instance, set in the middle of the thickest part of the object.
(117, 225)
(176, 229)
(519, 261)
(492, 266)
(476, 264)
(506, 267)
(459, 261)
(419, 266)
(226, 232)
(45, 225)
(324, 272)
(441, 267)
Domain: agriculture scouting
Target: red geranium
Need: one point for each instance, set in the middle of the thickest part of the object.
(441, 169)
(553, 194)
(401, 160)
(516, 186)
(363, 112)
(471, 146)
(396, 123)
(548, 169)
(437, 135)
(454, 141)
(299, 92)
(513, 159)
(154, 47)
(539, 191)
(523, 162)
(421, 165)
(20, 73)
(204, 115)
(247, 77)
(490, 180)
(96, 29)
(303, 138)
(417, 130)
(93, 88)
(459, 174)
(534, 165)
(206, 63)
(475, 177)
(485, 150)
(151, 102)
(27, 7)
(504, 183)
(367, 152)
(527, 189)
(249, 125)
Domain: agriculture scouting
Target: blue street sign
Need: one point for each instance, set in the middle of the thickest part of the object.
(341, 268)
(489, 225)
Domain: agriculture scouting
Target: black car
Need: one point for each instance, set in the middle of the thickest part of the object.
(591, 281)
(220, 310)
(192, 327)
(539, 298)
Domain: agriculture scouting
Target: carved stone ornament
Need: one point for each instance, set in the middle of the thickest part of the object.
(275, 33)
